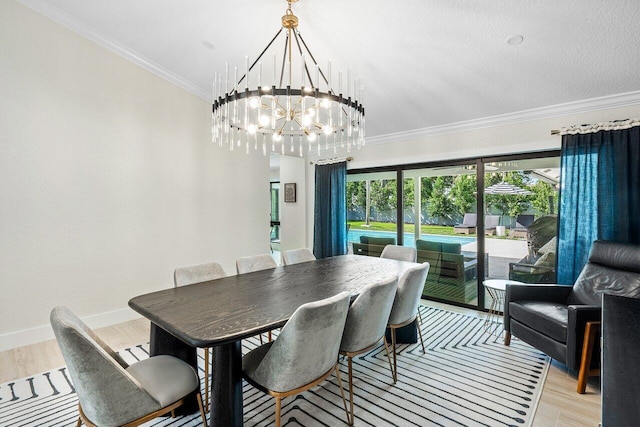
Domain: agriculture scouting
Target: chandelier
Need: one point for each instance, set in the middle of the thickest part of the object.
(289, 111)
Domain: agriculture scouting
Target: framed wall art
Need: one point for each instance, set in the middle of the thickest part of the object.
(290, 192)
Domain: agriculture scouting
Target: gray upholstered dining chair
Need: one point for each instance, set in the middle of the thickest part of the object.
(400, 253)
(304, 353)
(406, 305)
(113, 393)
(253, 263)
(366, 324)
(296, 256)
(249, 264)
(195, 274)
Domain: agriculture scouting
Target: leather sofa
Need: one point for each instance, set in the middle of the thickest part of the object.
(552, 318)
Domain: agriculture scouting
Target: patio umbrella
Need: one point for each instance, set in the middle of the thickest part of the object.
(506, 188)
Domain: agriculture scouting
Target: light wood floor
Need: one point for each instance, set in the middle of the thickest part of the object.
(559, 405)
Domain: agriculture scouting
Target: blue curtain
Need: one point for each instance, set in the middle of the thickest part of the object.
(330, 218)
(600, 195)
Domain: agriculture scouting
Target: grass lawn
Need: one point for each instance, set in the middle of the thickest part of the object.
(390, 226)
(408, 228)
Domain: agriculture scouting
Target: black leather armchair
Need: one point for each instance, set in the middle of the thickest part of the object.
(553, 318)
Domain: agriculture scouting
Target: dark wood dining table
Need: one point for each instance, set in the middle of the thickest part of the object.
(220, 313)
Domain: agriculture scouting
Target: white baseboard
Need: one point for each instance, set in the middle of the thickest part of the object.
(45, 333)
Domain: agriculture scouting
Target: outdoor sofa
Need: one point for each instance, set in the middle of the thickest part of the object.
(452, 274)
(372, 246)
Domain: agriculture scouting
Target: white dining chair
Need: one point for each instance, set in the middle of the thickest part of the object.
(296, 256)
(400, 253)
(249, 264)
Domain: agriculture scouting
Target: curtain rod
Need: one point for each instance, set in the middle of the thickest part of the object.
(334, 160)
(586, 128)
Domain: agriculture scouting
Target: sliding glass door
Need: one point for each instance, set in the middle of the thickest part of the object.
(520, 204)
(440, 222)
(485, 218)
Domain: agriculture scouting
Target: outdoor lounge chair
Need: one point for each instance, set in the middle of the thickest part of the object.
(537, 268)
(490, 224)
(522, 224)
(468, 225)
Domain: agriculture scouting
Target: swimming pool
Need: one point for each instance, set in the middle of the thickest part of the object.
(409, 238)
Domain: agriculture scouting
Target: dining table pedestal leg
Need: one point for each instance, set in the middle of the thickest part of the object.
(226, 385)
(162, 342)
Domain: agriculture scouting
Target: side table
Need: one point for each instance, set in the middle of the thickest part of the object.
(496, 289)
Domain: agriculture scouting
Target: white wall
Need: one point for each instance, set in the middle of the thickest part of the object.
(293, 225)
(108, 181)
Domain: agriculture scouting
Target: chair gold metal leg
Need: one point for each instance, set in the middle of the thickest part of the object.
(349, 363)
(79, 423)
(278, 403)
(395, 364)
(204, 416)
(269, 336)
(344, 401)
(421, 341)
(386, 349)
(206, 379)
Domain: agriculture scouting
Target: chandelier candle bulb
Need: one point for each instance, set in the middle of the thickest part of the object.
(302, 74)
(235, 96)
(246, 72)
(275, 72)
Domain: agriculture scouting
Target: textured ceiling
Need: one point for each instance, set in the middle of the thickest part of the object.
(423, 63)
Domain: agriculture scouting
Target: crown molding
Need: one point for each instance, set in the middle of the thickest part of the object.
(73, 24)
(558, 110)
(565, 109)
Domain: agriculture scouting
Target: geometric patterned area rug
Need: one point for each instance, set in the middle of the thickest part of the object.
(466, 378)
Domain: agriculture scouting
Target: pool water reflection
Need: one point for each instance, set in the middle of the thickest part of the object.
(409, 238)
